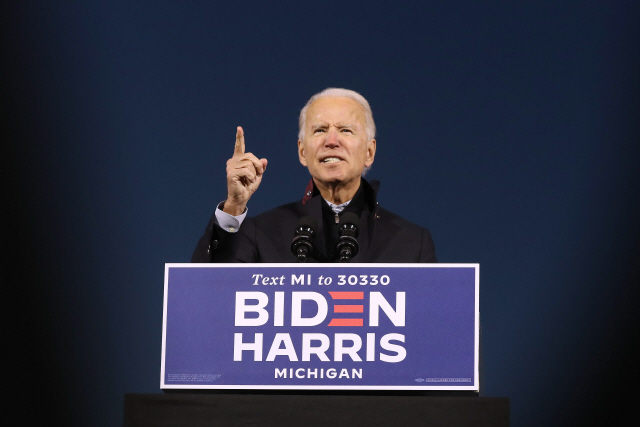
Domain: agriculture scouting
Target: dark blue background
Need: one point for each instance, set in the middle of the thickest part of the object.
(510, 129)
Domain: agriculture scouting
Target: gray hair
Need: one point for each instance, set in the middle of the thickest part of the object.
(337, 92)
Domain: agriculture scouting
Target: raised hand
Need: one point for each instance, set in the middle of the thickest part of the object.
(244, 175)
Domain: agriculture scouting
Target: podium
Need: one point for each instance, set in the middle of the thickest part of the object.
(321, 327)
(310, 410)
(292, 344)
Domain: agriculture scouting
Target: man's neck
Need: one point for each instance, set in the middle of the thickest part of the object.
(338, 194)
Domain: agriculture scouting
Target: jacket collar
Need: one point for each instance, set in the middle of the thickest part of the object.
(370, 192)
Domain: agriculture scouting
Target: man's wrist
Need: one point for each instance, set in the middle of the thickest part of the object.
(233, 209)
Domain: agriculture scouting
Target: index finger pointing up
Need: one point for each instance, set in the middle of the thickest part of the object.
(239, 148)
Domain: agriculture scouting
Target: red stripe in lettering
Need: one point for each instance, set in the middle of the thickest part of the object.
(346, 322)
(348, 308)
(347, 295)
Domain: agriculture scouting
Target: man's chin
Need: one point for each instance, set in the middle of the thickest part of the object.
(330, 177)
(329, 180)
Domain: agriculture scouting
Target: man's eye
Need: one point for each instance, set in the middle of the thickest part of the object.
(347, 130)
(318, 130)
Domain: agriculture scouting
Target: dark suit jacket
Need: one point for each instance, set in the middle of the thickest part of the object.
(384, 237)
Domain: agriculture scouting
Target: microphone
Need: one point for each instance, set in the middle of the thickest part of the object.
(302, 244)
(347, 245)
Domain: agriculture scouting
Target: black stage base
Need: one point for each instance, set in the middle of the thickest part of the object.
(191, 410)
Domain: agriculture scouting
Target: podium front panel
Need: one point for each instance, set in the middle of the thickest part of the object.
(297, 326)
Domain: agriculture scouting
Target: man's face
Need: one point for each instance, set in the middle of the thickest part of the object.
(335, 146)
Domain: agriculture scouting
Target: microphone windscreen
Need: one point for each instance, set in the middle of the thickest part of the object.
(307, 221)
(350, 218)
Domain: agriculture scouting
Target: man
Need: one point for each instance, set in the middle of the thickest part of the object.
(336, 143)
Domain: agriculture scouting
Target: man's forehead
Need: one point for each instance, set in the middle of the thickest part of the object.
(345, 110)
(321, 124)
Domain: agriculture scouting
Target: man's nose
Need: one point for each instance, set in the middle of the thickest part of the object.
(332, 137)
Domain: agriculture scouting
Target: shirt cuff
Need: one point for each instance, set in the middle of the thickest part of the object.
(228, 222)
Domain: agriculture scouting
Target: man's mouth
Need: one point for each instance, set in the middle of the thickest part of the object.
(331, 160)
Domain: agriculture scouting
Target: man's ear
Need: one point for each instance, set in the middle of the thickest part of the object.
(301, 153)
(371, 152)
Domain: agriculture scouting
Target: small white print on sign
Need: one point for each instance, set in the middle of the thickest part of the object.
(193, 377)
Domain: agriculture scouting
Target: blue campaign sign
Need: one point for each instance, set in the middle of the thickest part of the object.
(314, 326)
